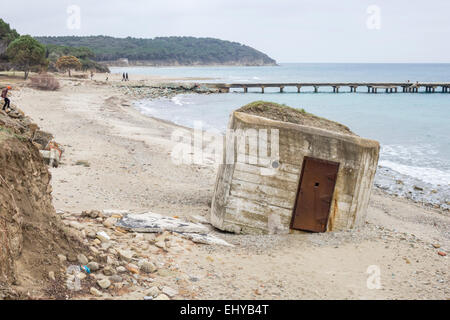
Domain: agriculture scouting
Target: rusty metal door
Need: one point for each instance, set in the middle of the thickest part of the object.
(315, 192)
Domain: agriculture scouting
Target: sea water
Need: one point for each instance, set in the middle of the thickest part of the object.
(412, 128)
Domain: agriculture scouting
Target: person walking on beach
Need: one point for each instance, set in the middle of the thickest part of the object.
(123, 77)
(126, 76)
(5, 97)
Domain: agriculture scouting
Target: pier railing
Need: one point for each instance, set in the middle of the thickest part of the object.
(372, 87)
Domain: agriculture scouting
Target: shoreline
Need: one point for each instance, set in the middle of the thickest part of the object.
(129, 168)
(415, 194)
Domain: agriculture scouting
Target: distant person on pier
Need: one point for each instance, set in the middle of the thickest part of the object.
(5, 97)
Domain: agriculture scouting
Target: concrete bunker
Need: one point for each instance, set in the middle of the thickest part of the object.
(285, 169)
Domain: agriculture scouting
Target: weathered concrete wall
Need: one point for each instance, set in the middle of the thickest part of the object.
(255, 198)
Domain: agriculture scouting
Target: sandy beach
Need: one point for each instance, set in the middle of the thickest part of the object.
(117, 158)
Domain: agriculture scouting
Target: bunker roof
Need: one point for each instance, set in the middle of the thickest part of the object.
(285, 113)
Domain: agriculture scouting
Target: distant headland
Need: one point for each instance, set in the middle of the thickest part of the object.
(164, 51)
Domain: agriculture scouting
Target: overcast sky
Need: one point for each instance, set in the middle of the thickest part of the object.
(287, 30)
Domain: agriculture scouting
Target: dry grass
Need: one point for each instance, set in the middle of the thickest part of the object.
(44, 82)
(285, 113)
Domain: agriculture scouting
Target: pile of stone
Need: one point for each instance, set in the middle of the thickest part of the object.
(165, 90)
(123, 264)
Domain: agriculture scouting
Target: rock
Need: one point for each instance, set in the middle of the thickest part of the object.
(108, 271)
(153, 291)
(62, 258)
(72, 258)
(169, 291)
(109, 260)
(91, 214)
(110, 222)
(148, 267)
(105, 246)
(125, 255)
(115, 278)
(51, 275)
(104, 283)
(82, 259)
(418, 188)
(161, 244)
(436, 245)
(162, 297)
(93, 266)
(95, 292)
(148, 298)
(442, 253)
(91, 234)
(121, 269)
(94, 250)
(132, 268)
(103, 236)
(76, 225)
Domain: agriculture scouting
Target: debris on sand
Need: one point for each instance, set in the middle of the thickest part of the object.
(155, 223)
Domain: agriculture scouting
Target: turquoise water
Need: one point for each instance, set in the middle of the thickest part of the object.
(413, 128)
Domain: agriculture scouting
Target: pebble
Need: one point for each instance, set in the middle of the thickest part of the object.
(116, 278)
(108, 271)
(51, 275)
(169, 291)
(161, 244)
(442, 253)
(162, 297)
(91, 214)
(104, 283)
(103, 236)
(148, 298)
(82, 259)
(62, 258)
(148, 267)
(110, 222)
(93, 266)
(72, 258)
(76, 225)
(121, 269)
(125, 255)
(132, 268)
(95, 292)
(153, 291)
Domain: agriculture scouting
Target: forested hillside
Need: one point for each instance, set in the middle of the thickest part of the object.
(166, 50)
(7, 35)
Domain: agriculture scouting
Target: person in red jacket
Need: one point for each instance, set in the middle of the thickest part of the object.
(5, 97)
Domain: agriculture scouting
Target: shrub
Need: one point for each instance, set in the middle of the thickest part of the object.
(44, 82)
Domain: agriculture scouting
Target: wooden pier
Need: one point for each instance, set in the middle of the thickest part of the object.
(372, 87)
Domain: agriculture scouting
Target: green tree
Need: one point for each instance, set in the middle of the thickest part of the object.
(67, 63)
(6, 33)
(26, 53)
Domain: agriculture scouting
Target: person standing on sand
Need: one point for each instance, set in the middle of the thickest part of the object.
(123, 76)
(126, 76)
(5, 97)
